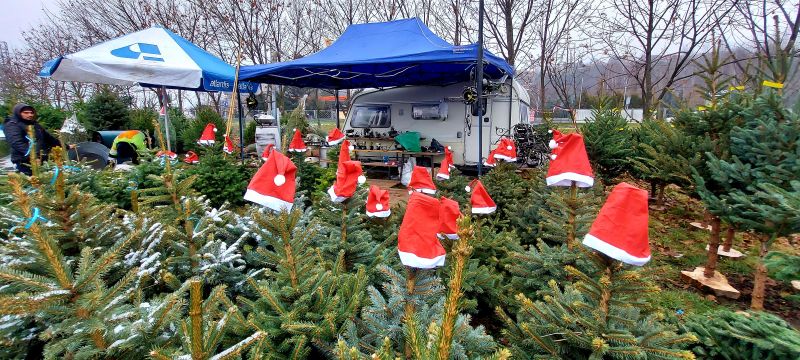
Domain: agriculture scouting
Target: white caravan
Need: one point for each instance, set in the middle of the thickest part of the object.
(439, 112)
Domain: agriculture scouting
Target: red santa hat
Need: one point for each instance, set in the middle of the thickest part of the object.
(208, 137)
(506, 150)
(482, 203)
(334, 137)
(348, 176)
(417, 244)
(448, 156)
(444, 169)
(274, 183)
(267, 150)
(344, 151)
(228, 146)
(167, 153)
(297, 144)
(490, 161)
(569, 162)
(620, 229)
(421, 181)
(448, 214)
(191, 158)
(378, 202)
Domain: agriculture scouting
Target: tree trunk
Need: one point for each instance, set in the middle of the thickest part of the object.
(726, 246)
(759, 283)
(653, 189)
(713, 244)
(660, 196)
(408, 311)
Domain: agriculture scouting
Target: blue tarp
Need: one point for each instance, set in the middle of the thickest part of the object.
(394, 53)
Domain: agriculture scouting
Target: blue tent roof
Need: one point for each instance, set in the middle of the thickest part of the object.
(394, 53)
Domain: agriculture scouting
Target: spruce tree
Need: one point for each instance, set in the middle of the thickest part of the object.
(301, 300)
(759, 181)
(608, 143)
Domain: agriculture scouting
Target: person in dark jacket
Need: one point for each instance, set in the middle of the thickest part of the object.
(16, 130)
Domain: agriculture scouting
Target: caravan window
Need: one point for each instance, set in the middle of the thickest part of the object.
(371, 116)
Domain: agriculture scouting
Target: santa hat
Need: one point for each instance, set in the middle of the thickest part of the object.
(416, 241)
(228, 146)
(448, 214)
(620, 229)
(421, 180)
(334, 137)
(167, 153)
(274, 184)
(348, 176)
(569, 162)
(506, 150)
(297, 144)
(378, 202)
(444, 170)
(207, 138)
(344, 151)
(267, 150)
(191, 158)
(490, 162)
(482, 203)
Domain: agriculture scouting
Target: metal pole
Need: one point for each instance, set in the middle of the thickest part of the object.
(336, 95)
(166, 118)
(241, 126)
(479, 87)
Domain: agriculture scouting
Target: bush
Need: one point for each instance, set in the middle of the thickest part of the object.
(106, 111)
(250, 133)
(220, 178)
(724, 334)
(49, 116)
(143, 119)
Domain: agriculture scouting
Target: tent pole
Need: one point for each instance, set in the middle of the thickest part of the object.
(166, 118)
(479, 87)
(336, 95)
(241, 126)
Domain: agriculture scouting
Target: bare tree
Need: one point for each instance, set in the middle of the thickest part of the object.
(510, 24)
(654, 41)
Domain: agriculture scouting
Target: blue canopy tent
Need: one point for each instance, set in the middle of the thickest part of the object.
(394, 53)
(154, 57)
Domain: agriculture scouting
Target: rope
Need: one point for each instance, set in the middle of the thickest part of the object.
(55, 176)
(34, 217)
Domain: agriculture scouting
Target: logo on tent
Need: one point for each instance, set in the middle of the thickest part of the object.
(133, 51)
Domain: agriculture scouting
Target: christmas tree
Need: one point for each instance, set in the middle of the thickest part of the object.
(609, 142)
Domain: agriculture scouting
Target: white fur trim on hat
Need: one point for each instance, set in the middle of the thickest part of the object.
(298, 150)
(426, 191)
(279, 180)
(505, 158)
(409, 259)
(449, 236)
(380, 214)
(484, 210)
(566, 179)
(268, 201)
(335, 198)
(442, 177)
(205, 142)
(335, 142)
(612, 251)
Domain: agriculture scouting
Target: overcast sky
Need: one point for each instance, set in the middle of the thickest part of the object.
(19, 15)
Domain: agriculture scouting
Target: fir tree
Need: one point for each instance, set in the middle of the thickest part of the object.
(608, 143)
(342, 231)
(758, 184)
(665, 153)
(724, 334)
(600, 316)
(302, 300)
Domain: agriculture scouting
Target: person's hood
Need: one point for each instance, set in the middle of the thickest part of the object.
(18, 109)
